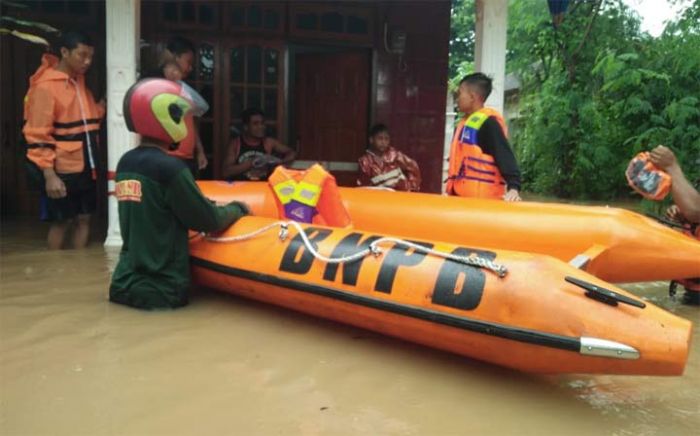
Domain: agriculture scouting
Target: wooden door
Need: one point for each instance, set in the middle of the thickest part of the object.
(332, 95)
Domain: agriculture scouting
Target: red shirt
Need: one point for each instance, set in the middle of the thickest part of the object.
(391, 169)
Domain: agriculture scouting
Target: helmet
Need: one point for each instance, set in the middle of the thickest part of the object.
(157, 108)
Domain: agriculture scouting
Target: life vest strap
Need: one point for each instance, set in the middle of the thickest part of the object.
(478, 179)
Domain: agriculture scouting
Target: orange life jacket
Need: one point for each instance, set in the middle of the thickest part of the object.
(645, 178)
(309, 196)
(472, 172)
(61, 120)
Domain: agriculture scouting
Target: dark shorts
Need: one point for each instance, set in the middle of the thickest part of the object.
(80, 200)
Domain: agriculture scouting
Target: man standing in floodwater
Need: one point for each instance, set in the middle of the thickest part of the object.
(62, 121)
(159, 201)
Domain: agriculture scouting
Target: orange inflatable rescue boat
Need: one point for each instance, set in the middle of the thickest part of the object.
(613, 244)
(520, 310)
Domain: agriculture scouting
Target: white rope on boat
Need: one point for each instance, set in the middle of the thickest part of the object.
(373, 248)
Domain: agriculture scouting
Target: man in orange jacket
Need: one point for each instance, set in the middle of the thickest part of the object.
(482, 163)
(61, 127)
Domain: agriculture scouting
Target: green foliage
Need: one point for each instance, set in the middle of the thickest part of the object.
(462, 38)
(596, 90)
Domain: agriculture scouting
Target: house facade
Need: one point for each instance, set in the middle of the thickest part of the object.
(323, 72)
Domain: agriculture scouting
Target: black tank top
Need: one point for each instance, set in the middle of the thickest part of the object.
(248, 152)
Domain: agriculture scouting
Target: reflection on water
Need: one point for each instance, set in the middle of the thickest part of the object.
(72, 363)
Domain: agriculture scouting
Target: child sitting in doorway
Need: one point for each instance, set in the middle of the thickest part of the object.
(384, 166)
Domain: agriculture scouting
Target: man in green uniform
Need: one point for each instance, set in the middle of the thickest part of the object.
(159, 201)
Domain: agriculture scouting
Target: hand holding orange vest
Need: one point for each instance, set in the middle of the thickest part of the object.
(645, 178)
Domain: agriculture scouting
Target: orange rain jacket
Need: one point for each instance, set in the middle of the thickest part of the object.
(61, 120)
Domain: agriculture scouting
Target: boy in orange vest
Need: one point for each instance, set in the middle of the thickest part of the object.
(482, 163)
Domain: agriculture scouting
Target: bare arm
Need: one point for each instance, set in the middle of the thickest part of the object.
(230, 168)
(200, 154)
(289, 154)
(684, 195)
(55, 188)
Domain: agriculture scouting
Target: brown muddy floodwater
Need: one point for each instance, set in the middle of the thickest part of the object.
(71, 363)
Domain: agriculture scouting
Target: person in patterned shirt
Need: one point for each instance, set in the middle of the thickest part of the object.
(384, 166)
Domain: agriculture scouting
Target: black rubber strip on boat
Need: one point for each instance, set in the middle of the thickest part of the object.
(550, 340)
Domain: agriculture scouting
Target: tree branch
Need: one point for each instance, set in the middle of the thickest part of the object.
(596, 8)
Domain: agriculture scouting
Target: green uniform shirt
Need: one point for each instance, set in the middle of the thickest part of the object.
(158, 202)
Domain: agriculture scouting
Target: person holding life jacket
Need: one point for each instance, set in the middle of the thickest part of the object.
(384, 166)
(686, 208)
(175, 63)
(62, 122)
(482, 163)
(309, 196)
(159, 201)
(251, 156)
(646, 178)
(685, 196)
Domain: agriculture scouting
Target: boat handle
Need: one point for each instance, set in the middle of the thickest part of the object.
(604, 295)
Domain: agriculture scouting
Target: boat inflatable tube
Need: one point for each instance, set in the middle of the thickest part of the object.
(613, 244)
(525, 311)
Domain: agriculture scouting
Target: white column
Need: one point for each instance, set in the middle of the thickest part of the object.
(450, 115)
(123, 19)
(490, 53)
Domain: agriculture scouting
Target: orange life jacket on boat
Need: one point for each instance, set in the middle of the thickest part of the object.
(309, 196)
(472, 172)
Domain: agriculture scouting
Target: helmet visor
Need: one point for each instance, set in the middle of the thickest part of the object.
(200, 104)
